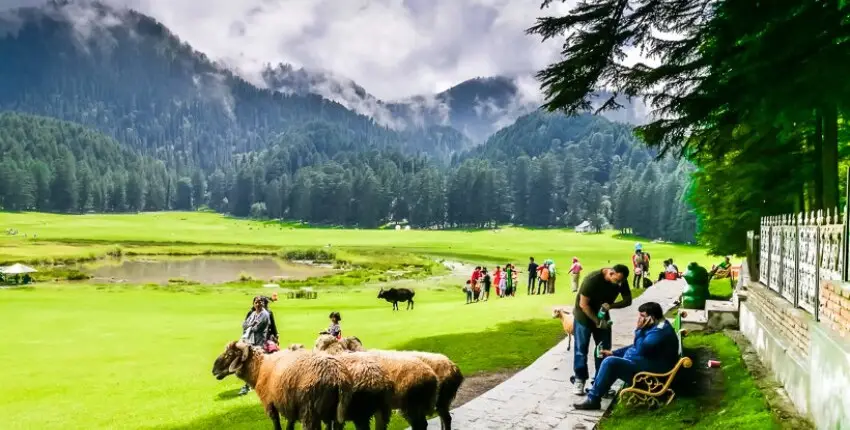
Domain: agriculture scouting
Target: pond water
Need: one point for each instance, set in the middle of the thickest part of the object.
(206, 270)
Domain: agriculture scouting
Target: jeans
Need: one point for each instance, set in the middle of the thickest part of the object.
(612, 369)
(582, 335)
(638, 281)
(531, 281)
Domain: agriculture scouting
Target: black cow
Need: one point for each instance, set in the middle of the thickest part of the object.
(395, 295)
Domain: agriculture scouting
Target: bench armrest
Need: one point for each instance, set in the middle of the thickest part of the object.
(658, 383)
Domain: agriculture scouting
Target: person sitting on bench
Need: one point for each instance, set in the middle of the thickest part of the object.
(655, 349)
(722, 270)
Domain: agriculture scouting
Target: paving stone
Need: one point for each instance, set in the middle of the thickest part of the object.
(540, 396)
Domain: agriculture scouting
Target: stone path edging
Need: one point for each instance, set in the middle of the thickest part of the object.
(540, 397)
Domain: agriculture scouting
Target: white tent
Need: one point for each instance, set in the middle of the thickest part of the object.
(584, 227)
(17, 269)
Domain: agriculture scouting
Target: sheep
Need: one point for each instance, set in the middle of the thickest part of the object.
(352, 343)
(298, 385)
(372, 389)
(567, 321)
(415, 384)
(448, 374)
(449, 378)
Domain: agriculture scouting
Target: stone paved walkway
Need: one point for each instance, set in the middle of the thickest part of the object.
(540, 396)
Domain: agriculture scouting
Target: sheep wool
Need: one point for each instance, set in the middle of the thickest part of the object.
(414, 386)
(298, 385)
(372, 391)
(449, 378)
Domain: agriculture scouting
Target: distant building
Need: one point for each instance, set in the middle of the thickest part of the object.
(585, 227)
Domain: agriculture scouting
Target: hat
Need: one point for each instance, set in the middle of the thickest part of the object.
(575, 259)
(638, 246)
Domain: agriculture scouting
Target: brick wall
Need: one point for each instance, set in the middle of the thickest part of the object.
(835, 307)
(792, 323)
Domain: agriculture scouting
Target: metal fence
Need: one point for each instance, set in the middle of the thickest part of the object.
(796, 252)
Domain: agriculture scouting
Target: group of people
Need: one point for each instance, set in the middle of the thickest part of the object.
(478, 286)
(259, 328)
(541, 280)
(655, 347)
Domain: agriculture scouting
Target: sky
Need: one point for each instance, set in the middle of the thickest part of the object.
(393, 48)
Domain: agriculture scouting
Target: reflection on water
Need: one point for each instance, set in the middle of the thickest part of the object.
(206, 270)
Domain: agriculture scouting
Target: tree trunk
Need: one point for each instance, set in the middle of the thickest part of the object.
(817, 146)
(829, 157)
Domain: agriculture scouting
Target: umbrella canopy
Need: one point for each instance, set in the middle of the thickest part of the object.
(18, 269)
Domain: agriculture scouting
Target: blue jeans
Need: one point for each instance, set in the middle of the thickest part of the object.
(612, 369)
(583, 334)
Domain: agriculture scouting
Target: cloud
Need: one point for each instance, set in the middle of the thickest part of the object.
(393, 48)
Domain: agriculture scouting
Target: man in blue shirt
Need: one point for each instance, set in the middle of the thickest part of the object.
(655, 349)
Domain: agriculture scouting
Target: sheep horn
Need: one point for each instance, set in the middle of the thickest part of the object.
(244, 348)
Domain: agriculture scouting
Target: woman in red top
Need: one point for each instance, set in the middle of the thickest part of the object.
(497, 277)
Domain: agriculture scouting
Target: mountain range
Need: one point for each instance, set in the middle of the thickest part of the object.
(108, 110)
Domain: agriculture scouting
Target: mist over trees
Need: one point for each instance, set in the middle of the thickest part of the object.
(145, 123)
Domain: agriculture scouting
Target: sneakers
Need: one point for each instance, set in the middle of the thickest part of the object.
(588, 405)
(578, 387)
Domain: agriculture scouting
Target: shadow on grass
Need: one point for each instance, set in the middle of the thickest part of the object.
(507, 345)
(245, 416)
(228, 395)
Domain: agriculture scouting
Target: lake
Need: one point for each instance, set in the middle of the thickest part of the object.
(206, 270)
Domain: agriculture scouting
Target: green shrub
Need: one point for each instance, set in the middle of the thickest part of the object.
(319, 255)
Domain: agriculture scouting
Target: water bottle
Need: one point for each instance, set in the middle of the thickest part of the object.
(601, 315)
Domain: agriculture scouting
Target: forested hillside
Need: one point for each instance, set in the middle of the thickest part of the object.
(52, 165)
(131, 78)
(157, 126)
(550, 169)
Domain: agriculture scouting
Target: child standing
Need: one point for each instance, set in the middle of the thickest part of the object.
(334, 329)
(497, 279)
(485, 295)
(468, 290)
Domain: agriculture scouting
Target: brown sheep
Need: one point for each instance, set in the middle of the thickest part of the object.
(448, 374)
(450, 379)
(312, 388)
(415, 386)
(372, 389)
(567, 322)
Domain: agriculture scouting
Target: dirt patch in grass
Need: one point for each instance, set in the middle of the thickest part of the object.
(777, 399)
(478, 384)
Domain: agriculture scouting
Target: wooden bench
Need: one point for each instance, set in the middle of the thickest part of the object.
(653, 389)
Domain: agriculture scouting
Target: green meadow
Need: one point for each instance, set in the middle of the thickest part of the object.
(83, 355)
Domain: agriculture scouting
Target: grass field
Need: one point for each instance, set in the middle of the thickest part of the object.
(87, 356)
(739, 404)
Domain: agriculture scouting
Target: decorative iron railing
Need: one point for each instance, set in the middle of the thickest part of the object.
(796, 252)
